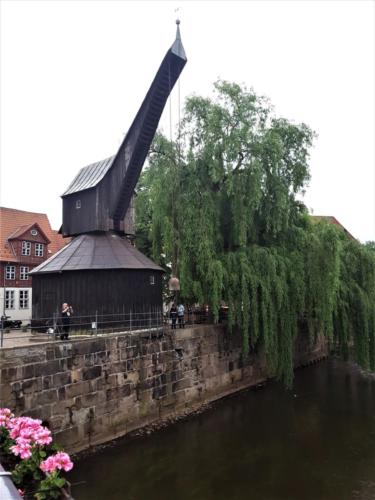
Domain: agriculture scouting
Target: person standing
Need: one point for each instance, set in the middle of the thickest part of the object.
(180, 316)
(66, 312)
(173, 316)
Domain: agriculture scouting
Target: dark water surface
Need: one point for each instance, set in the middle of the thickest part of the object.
(315, 442)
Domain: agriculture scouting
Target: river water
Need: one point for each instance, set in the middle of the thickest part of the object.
(315, 442)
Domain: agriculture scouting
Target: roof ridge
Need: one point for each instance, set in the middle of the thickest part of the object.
(25, 211)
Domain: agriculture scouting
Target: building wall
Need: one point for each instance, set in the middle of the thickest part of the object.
(17, 284)
(16, 313)
(97, 389)
(102, 291)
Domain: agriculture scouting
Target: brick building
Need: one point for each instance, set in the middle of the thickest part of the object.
(26, 240)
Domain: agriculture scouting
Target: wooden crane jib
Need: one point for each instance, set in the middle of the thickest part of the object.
(100, 195)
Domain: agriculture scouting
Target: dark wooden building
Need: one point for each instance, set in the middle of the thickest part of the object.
(99, 197)
(101, 274)
(100, 271)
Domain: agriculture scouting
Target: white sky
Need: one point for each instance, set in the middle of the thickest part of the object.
(73, 74)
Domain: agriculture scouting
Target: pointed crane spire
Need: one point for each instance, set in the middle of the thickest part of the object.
(177, 47)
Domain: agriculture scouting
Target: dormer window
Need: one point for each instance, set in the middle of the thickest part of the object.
(39, 249)
(78, 204)
(26, 248)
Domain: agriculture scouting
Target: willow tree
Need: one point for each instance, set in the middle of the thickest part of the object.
(220, 208)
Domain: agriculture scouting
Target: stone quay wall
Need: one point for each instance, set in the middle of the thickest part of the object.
(93, 390)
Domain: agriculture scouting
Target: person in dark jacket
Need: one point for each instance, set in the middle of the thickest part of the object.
(66, 312)
(173, 316)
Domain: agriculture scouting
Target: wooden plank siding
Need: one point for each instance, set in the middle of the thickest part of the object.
(114, 291)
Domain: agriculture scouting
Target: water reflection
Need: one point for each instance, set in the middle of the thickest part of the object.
(314, 442)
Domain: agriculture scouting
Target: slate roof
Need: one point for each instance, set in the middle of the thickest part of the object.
(88, 177)
(14, 222)
(97, 251)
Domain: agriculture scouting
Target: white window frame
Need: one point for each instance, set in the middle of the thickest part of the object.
(9, 299)
(152, 279)
(26, 248)
(10, 272)
(24, 272)
(39, 249)
(24, 297)
(78, 204)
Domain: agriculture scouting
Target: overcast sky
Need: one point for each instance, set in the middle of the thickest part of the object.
(73, 74)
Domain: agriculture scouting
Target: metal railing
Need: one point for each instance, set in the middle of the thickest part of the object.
(53, 328)
(8, 491)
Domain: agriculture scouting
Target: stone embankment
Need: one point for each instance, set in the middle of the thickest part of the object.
(93, 390)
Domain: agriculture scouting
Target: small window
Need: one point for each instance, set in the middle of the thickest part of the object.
(10, 272)
(152, 279)
(26, 248)
(78, 204)
(24, 299)
(39, 249)
(9, 299)
(34, 232)
(24, 273)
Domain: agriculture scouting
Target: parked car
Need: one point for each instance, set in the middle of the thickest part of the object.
(10, 323)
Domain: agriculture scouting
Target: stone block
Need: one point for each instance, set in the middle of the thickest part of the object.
(47, 397)
(8, 374)
(89, 359)
(47, 368)
(28, 371)
(61, 379)
(90, 373)
(47, 382)
(118, 367)
(30, 385)
(61, 393)
(101, 357)
(76, 375)
(5, 394)
(69, 437)
(63, 350)
(89, 346)
(77, 389)
(159, 392)
(181, 384)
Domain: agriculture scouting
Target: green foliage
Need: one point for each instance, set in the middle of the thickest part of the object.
(219, 209)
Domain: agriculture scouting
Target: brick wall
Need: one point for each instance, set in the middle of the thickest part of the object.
(94, 390)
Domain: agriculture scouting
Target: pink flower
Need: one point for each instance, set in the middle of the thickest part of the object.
(5, 416)
(59, 461)
(43, 436)
(25, 424)
(22, 448)
(21, 492)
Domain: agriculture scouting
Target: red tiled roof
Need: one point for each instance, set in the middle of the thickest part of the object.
(23, 229)
(333, 220)
(14, 222)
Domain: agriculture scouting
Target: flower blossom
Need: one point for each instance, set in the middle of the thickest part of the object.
(42, 436)
(5, 416)
(22, 448)
(24, 427)
(59, 461)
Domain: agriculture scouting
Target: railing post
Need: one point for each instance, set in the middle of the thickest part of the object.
(2, 332)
